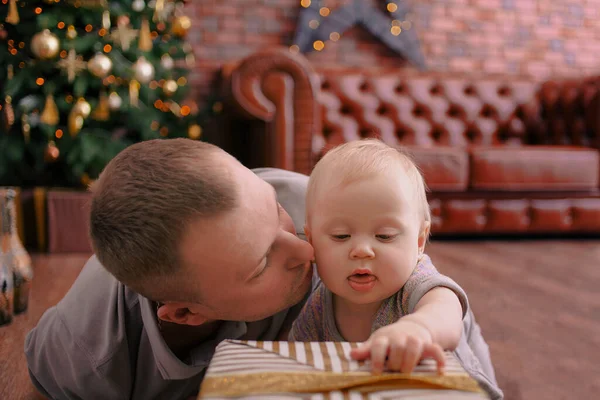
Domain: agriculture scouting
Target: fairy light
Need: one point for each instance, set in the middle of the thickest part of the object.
(318, 45)
(396, 30)
(305, 3)
(314, 24)
(58, 133)
(324, 11)
(88, 28)
(391, 7)
(38, 10)
(61, 25)
(334, 36)
(107, 48)
(185, 111)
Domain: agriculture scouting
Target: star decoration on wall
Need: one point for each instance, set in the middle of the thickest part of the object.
(123, 35)
(72, 65)
(318, 24)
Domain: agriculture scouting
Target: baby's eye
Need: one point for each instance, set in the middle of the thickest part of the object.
(386, 238)
(340, 237)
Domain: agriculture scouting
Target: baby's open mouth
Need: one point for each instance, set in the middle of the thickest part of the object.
(362, 281)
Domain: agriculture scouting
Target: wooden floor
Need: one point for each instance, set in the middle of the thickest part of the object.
(538, 304)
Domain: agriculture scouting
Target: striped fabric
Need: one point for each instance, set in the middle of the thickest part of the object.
(235, 358)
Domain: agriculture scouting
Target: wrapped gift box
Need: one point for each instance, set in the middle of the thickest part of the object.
(324, 370)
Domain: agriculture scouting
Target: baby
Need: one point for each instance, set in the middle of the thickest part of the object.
(368, 219)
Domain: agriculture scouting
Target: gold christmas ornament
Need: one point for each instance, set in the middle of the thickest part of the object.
(114, 101)
(106, 19)
(194, 132)
(13, 14)
(123, 34)
(80, 111)
(25, 127)
(143, 70)
(82, 108)
(51, 153)
(102, 111)
(138, 5)
(145, 40)
(134, 92)
(181, 25)
(8, 113)
(50, 114)
(167, 62)
(75, 124)
(71, 32)
(73, 65)
(100, 65)
(162, 10)
(45, 45)
(170, 87)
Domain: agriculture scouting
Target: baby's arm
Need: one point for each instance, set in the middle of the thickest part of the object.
(433, 306)
(439, 311)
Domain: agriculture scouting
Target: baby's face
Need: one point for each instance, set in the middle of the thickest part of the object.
(366, 237)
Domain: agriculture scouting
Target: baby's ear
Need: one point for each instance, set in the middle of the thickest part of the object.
(307, 233)
(423, 236)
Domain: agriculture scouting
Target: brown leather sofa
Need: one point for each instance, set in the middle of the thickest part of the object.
(500, 155)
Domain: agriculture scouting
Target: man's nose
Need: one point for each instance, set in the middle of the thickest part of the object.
(361, 250)
(302, 252)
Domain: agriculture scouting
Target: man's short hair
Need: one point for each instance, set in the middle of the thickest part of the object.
(360, 159)
(145, 199)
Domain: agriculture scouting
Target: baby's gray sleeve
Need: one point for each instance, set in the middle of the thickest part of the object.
(422, 280)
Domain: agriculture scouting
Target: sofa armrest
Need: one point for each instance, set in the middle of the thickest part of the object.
(279, 88)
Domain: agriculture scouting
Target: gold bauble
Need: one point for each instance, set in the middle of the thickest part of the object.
(71, 32)
(170, 87)
(100, 65)
(50, 114)
(144, 70)
(114, 101)
(82, 108)
(194, 132)
(181, 25)
(51, 153)
(45, 45)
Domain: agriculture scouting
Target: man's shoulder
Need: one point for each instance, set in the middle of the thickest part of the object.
(291, 191)
(99, 310)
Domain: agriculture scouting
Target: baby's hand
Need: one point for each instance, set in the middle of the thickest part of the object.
(404, 343)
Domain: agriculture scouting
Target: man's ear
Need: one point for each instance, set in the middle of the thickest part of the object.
(307, 233)
(423, 236)
(180, 313)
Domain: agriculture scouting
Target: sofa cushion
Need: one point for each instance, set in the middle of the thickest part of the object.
(445, 169)
(534, 168)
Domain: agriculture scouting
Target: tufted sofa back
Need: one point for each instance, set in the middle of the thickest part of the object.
(449, 110)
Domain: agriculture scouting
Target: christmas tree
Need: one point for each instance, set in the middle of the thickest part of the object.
(86, 78)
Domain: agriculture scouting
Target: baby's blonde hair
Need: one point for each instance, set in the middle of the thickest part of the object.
(361, 159)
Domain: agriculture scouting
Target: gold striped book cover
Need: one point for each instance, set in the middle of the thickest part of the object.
(324, 370)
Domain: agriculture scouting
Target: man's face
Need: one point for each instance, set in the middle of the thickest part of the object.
(247, 264)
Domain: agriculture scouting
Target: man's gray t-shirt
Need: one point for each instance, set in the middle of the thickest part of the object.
(102, 341)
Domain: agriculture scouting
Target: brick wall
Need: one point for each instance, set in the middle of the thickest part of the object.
(539, 38)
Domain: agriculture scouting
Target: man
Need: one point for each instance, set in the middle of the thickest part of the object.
(193, 237)
(187, 241)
